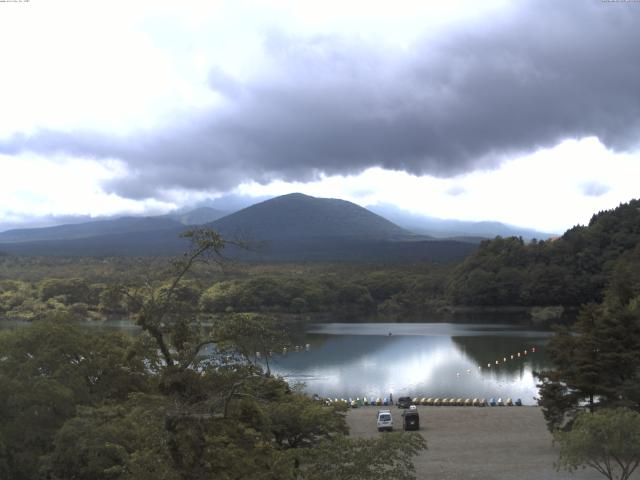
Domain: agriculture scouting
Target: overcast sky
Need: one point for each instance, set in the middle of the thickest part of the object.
(524, 112)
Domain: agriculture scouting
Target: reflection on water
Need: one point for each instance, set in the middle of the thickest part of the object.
(424, 360)
(417, 359)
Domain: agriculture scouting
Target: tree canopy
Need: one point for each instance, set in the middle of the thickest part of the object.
(607, 441)
(597, 360)
(571, 270)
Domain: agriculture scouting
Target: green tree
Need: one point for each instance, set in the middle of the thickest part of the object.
(112, 300)
(296, 422)
(252, 336)
(598, 360)
(597, 363)
(386, 458)
(607, 441)
(125, 441)
(74, 290)
(4, 459)
(162, 312)
(46, 371)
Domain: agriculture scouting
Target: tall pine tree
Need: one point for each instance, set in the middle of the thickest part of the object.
(598, 360)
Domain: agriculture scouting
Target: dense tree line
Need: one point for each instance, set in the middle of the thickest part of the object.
(363, 292)
(571, 270)
(597, 359)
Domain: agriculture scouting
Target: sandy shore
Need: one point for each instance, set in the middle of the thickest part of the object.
(478, 443)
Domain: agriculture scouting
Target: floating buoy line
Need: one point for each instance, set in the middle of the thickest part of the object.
(505, 359)
(513, 356)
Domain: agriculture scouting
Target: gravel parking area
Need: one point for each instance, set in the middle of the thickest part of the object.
(478, 443)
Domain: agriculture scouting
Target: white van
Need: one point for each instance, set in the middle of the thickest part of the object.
(385, 422)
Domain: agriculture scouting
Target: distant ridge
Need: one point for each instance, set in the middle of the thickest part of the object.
(89, 229)
(292, 227)
(456, 229)
(110, 226)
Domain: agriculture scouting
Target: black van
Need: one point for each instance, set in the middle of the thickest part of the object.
(404, 402)
(410, 420)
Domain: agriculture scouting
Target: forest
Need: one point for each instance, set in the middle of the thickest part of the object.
(344, 292)
(569, 271)
(96, 288)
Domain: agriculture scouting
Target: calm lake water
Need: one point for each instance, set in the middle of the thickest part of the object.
(418, 360)
(442, 360)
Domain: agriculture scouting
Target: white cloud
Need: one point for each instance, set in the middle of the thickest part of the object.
(72, 64)
(32, 186)
(119, 66)
(543, 190)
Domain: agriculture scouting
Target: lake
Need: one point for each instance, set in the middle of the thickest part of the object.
(417, 360)
(444, 360)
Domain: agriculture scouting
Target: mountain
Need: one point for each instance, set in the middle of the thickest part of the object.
(301, 216)
(292, 227)
(41, 222)
(110, 226)
(299, 227)
(89, 229)
(455, 229)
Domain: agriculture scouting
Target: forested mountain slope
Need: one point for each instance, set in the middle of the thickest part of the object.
(571, 270)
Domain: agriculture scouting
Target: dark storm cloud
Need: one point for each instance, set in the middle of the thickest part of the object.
(527, 78)
(595, 189)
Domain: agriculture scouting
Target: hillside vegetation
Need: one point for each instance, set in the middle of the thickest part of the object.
(32, 288)
(571, 270)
